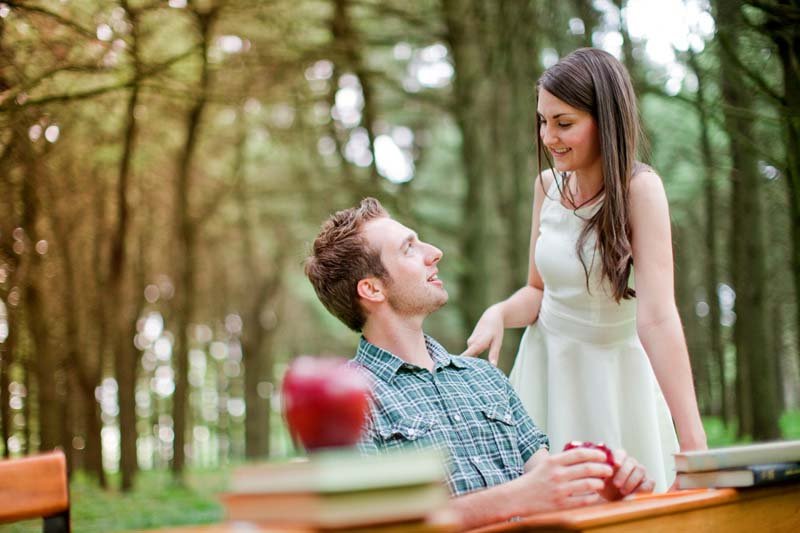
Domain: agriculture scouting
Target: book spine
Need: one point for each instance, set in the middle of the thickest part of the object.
(775, 473)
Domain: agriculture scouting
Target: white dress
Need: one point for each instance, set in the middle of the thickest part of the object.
(581, 370)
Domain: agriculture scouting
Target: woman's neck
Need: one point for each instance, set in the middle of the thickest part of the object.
(587, 184)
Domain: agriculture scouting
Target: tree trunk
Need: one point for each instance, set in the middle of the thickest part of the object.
(747, 237)
(6, 360)
(711, 270)
(472, 103)
(686, 307)
(8, 347)
(120, 299)
(776, 347)
(27, 404)
(185, 258)
(46, 365)
(786, 36)
(348, 43)
(494, 65)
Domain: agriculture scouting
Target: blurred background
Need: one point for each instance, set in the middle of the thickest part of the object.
(164, 167)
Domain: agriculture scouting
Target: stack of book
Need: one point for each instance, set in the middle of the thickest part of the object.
(739, 466)
(340, 490)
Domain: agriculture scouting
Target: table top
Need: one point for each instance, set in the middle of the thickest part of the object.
(770, 502)
(628, 511)
(245, 527)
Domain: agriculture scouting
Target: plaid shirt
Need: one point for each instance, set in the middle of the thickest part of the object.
(465, 406)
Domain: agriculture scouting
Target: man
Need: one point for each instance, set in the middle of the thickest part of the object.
(377, 277)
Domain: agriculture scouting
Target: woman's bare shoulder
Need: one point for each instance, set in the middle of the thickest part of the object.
(644, 183)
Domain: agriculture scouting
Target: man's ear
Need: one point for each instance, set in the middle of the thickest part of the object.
(371, 290)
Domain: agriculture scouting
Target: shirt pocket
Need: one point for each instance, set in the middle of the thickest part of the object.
(414, 430)
(500, 436)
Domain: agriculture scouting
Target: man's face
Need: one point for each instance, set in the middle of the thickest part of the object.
(414, 289)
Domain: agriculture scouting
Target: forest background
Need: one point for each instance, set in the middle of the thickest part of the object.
(164, 167)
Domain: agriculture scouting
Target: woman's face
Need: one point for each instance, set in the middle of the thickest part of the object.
(570, 134)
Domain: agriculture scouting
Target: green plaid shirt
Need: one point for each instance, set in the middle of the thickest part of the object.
(465, 406)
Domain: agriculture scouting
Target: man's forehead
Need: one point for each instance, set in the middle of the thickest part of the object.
(385, 231)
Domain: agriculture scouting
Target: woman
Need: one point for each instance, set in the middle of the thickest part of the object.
(602, 343)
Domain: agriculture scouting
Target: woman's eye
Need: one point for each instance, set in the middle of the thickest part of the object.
(564, 125)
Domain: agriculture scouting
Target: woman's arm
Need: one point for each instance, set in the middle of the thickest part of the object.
(522, 307)
(657, 319)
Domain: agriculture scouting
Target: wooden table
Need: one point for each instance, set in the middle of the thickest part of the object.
(775, 509)
(243, 527)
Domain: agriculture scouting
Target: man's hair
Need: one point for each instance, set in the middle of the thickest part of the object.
(341, 257)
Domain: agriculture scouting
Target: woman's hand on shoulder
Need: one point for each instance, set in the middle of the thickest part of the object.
(487, 335)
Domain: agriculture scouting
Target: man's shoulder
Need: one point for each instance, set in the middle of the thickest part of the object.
(471, 362)
(478, 367)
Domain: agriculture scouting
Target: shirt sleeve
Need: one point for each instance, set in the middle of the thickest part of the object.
(529, 436)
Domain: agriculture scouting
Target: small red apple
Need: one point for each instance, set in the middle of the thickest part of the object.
(593, 445)
(325, 402)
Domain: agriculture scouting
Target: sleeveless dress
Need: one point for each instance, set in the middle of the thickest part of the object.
(581, 370)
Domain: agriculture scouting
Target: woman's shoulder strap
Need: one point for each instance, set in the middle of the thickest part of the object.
(551, 183)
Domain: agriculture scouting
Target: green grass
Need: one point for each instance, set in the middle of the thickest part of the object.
(158, 502)
(720, 435)
(790, 425)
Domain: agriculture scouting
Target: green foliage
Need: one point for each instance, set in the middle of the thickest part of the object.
(790, 424)
(719, 434)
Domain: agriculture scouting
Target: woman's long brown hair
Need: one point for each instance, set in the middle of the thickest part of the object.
(594, 81)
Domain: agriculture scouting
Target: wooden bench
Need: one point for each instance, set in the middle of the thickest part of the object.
(36, 486)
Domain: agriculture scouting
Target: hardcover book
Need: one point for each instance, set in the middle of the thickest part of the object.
(735, 456)
(337, 510)
(340, 489)
(740, 477)
(341, 471)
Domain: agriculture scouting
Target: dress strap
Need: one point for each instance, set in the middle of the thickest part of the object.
(553, 191)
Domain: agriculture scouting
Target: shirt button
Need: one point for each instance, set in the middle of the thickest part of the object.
(411, 432)
(457, 418)
(507, 418)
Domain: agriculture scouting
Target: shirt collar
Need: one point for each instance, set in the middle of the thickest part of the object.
(385, 364)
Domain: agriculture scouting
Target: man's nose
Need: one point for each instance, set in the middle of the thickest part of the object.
(434, 255)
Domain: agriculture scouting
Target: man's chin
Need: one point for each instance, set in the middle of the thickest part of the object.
(445, 299)
(441, 302)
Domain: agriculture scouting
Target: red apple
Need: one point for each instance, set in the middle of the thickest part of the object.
(325, 402)
(593, 445)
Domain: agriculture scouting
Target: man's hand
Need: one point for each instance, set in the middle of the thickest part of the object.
(629, 477)
(570, 479)
(551, 482)
(488, 334)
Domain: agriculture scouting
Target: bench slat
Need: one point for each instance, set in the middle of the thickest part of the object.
(34, 486)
